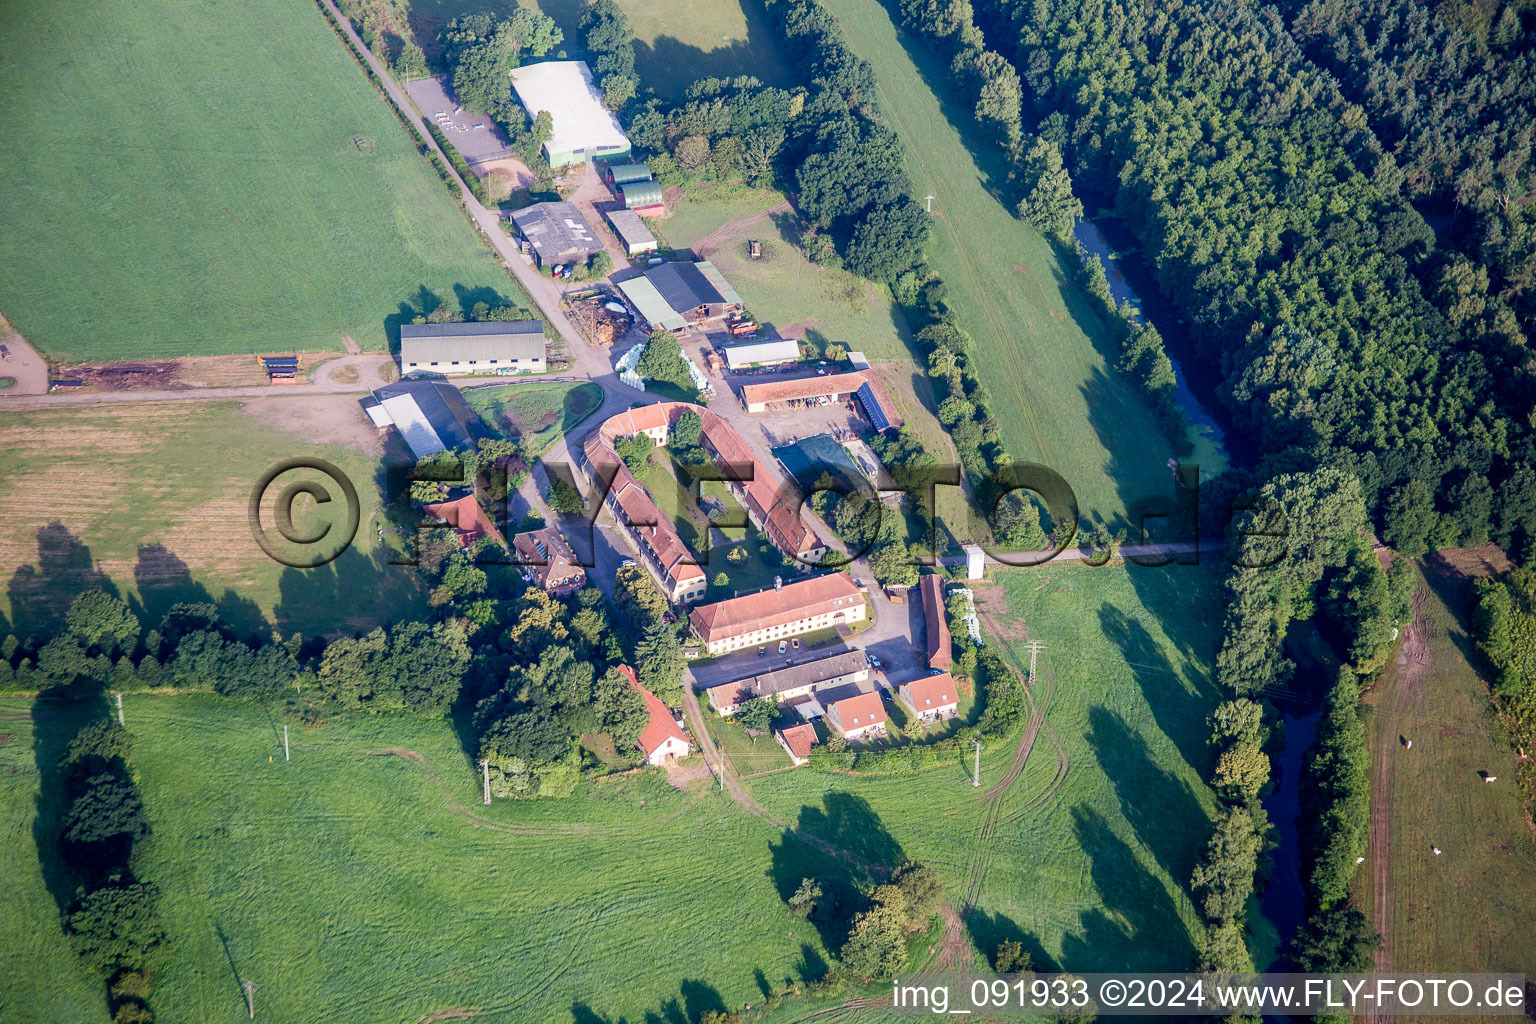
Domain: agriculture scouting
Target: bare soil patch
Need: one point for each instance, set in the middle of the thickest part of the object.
(26, 364)
(511, 169)
(333, 419)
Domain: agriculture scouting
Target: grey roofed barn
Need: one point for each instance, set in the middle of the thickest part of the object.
(423, 344)
(683, 286)
(431, 416)
(557, 232)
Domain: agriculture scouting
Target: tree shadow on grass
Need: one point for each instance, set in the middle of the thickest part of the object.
(1139, 927)
(162, 580)
(694, 999)
(1179, 709)
(1161, 807)
(988, 931)
(846, 849)
(40, 594)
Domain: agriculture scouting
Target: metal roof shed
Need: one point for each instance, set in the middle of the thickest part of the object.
(775, 350)
(872, 407)
(653, 308)
(557, 231)
(582, 128)
(637, 238)
(640, 193)
(623, 174)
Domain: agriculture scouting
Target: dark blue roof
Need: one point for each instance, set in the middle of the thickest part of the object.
(872, 408)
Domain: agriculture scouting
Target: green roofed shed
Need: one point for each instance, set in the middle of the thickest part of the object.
(623, 174)
(641, 193)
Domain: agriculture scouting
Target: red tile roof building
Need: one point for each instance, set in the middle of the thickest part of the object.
(780, 516)
(467, 519)
(936, 622)
(798, 740)
(858, 717)
(758, 397)
(772, 615)
(661, 738)
(931, 697)
(548, 560)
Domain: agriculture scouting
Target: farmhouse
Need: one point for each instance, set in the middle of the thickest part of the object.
(772, 510)
(773, 615)
(556, 232)
(858, 718)
(637, 238)
(515, 346)
(549, 561)
(797, 741)
(931, 697)
(789, 684)
(773, 352)
(781, 516)
(467, 518)
(582, 128)
(680, 296)
(662, 551)
(864, 385)
(431, 416)
(662, 737)
(936, 622)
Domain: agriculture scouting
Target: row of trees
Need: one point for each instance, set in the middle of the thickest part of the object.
(479, 52)
(113, 921)
(1505, 626)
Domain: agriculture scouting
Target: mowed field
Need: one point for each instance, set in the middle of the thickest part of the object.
(152, 499)
(1086, 857)
(1467, 909)
(1042, 353)
(187, 178)
(784, 289)
(364, 880)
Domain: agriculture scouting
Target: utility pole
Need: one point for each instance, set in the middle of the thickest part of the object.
(285, 741)
(485, 775)
(976, 774)
(929, 200)
(1034, 654)
(250, 997)
(119, 697)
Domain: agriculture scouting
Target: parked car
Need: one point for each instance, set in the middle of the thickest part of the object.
(627, 563)
(783, 645)
(762, 651)
(935, 671)
(795, 643)
(5, 353)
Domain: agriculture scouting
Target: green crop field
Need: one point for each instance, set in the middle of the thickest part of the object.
(197, 179)
(128, 494)
(1041, 351)
(541, 412)
(784, 290)
(1458, 911)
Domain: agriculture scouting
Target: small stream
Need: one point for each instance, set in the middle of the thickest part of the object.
(1284, 901)
(1195, 389)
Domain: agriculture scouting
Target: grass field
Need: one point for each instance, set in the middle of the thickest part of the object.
(783, 289)
(152, 498)
(541, 412)
(40, 977)
(363, 880)
(1466, 909)
(1041, 351)
(1087, 868)
(191, 179)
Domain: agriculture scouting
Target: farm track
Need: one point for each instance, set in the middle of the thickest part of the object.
(1414, 666)
(712, 241)
(992, 816)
